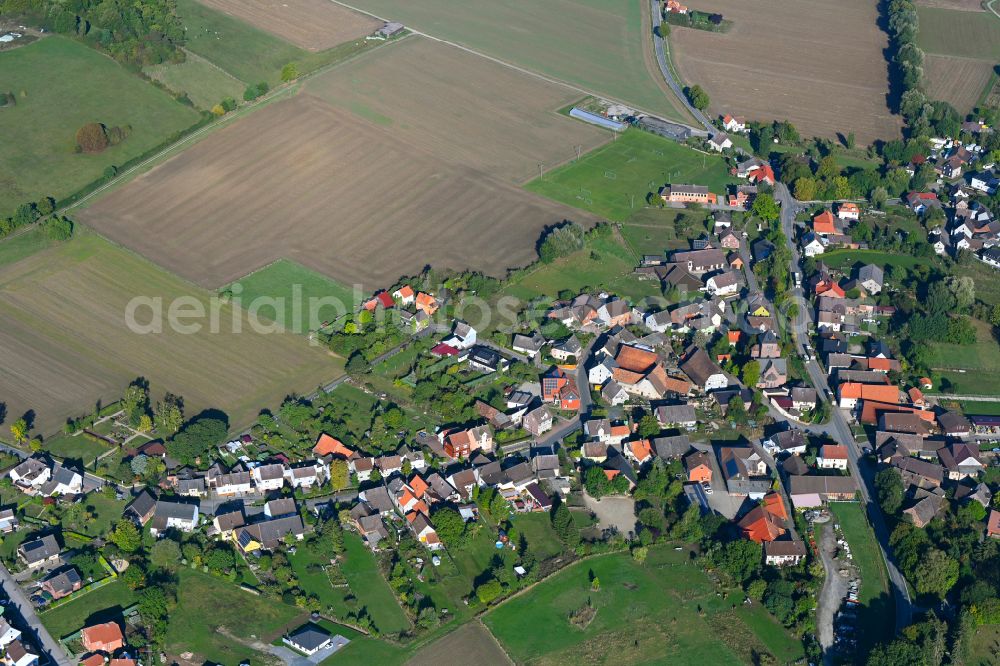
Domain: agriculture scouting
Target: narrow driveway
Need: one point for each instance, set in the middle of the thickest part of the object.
(833, 592)
(31, 626)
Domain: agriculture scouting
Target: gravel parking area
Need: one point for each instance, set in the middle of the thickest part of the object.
(613, 513)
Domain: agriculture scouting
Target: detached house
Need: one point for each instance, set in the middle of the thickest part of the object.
(705, 374)
(560, 390)
(173, 515)
(832, 457)
(39, 552)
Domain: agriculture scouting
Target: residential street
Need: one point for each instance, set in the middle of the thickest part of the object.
(838, 427)
(32, 626)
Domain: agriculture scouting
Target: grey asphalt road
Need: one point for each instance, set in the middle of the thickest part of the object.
(661, 59)
(838, 427)
(32, 627)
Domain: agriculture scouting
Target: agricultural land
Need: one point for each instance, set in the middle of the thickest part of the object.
(962, 49)
(358, 201)
(61, 85)
(600, 46)
(314, 25)
(60, 359)
(826, 80)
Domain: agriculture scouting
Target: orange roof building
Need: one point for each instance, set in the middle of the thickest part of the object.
(419, 485)
(872, 409)
(331, 446)
(427, 303)
(824, 223)
(635, 359)
(765, 522)
(734, 337)
(92, 660)
(641, 450)
(106, 637)
(887, 393)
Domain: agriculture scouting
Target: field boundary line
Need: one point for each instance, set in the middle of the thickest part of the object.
(479, 621)
(509, 65)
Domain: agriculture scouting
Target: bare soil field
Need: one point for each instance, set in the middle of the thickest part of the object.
(315, 25)
(817, 64)
(461, 107)
(470, 643)
(957, 80)
(345, 197)
(64, 343)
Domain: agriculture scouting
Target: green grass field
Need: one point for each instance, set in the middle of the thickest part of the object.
(213, 608)
(874, 592)
(61, 85)
(24, 244)
(105, 512)
(204, 84)
(984, 647)
(614, 180)
(371, 589)
(287, 282)
(969, 382)
(246, 53)
(984, 355)
(606, 263)
(653, 231)
(844, 259)
(959, 33)
(75, 447)
(972, 407)
(101, 605)
(595, 44)
(665, 611)
(985, 277)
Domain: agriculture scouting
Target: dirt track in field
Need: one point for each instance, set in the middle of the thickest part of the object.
(315, 25)
(961, 5)
(302, 180)
(816, 63)
(957, 80)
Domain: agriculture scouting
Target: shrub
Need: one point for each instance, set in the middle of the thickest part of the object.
(92, 138)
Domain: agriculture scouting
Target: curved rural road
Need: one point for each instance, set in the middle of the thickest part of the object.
(661, 59)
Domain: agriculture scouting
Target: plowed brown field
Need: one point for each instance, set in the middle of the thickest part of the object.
(817, 63)
(311, 24)
(420, 167)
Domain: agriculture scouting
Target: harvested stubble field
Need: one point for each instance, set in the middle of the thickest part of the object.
(461, 107)
(957, 80)
(361, 202)
(603, 46)
(311, 24)
(815, 63)
(65, 345)
(470, 643)
(960, 5)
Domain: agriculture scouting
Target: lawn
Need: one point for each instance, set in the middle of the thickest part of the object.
(61, 85)
(614, 179)
(604, 264)
(844, 259)
(595, 44)
(985, 277)
(959, 33)
(663, 611)
(103, 604)
(290, 293)
(654, 231)
(370, 587)
(204, 83)
(242, 51)
(538, 532)
(983, 355)
(878, 617)
(968, 382)
(316, 581)
(75, 447)
(213, 608)
(105, 512)
(984, 647)
(980, 408)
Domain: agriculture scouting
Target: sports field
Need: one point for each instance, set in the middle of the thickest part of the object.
(284, 283)
(602, 46)
(309, 24)
(613, 180)
(817, 64)
(358, 201)
(61, 85)
(666, 607)
(65, 344)
(205, 84)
